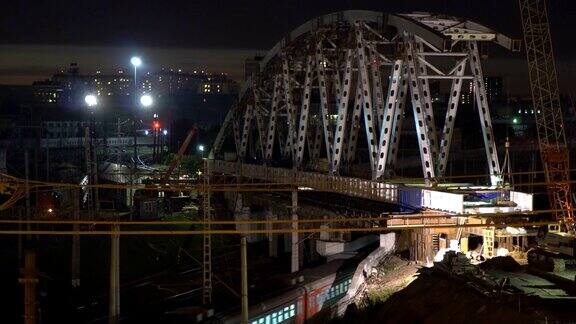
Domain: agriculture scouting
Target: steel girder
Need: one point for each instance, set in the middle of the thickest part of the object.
(484, 113)
(420, 116)
(342, 112)
(367, 108)
(389, 114)
(304, 111)
(397, 120)
(323, 91)
(355, 126)
(322, 71)
(271, 129)
(451, 111)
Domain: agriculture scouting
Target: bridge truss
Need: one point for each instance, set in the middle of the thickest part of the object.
(338, 89)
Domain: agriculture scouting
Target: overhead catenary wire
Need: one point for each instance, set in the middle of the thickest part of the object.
(263, 231)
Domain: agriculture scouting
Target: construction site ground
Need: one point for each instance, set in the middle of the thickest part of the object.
(497, 291)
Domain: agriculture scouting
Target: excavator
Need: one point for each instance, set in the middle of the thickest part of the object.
(556, 242)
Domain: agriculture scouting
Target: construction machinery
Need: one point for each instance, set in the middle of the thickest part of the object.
(148, 203)
(557, 242)
(178, 158)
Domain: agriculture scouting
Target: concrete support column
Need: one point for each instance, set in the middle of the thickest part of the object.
(114, 302)
(244, 280)
(76, 241)
(272, 238)
(296, 259)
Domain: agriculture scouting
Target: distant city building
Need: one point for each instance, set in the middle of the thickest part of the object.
(118, 88)
(47, 92)
(492, 85)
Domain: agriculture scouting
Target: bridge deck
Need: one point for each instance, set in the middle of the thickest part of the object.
(462, 200)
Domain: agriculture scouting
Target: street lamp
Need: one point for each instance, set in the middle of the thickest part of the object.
(146, 100)
(136, 62)
(201, 148)
(91, 100)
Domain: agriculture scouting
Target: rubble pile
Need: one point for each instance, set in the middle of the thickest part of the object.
(506, 263)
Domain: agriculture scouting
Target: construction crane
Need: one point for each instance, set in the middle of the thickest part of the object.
(180, 153)
(546, 101)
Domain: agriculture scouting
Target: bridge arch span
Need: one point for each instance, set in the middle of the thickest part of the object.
(335, 91)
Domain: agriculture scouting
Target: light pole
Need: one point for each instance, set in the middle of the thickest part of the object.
(136, 62)
(91, 155)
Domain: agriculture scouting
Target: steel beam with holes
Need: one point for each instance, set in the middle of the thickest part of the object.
(304, 111)
(271, 129)
(354, 125)
(259, 124)
(450, 121)
(388, 120)
(290, 107)
(248, 115)
(318, 131)
(484, 113)
(377, 99)
(422, 66)
(237, 133)
(342, 112)
(419, 113)
(322, 87)
(224, 129)
(369, 122)
(398, 120)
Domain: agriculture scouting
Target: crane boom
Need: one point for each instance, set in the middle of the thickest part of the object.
(546, 101)
(180, 153)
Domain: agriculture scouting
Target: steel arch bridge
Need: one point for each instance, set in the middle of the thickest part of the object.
(361, 71)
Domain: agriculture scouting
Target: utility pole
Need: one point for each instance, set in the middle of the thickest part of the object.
(244, 279)
(29, 281)
(207, 260)
(47, 160)
(27, 175)
(295, 260)
(76, 240)
(114, 301)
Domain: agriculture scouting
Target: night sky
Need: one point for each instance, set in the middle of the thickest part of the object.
(39, 38)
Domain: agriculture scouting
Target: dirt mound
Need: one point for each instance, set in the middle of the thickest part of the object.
(436, 298)
(506, 263)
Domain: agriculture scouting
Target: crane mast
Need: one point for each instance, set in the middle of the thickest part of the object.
(546, 101)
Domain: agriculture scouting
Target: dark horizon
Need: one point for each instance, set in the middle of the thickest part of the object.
(38, 40)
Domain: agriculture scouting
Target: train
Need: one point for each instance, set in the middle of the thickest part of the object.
(309, 301)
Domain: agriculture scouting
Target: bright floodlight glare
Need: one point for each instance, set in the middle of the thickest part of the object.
(201, 148)
(91, 100)
(165, 132)
(146, 100)
(136, 61)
